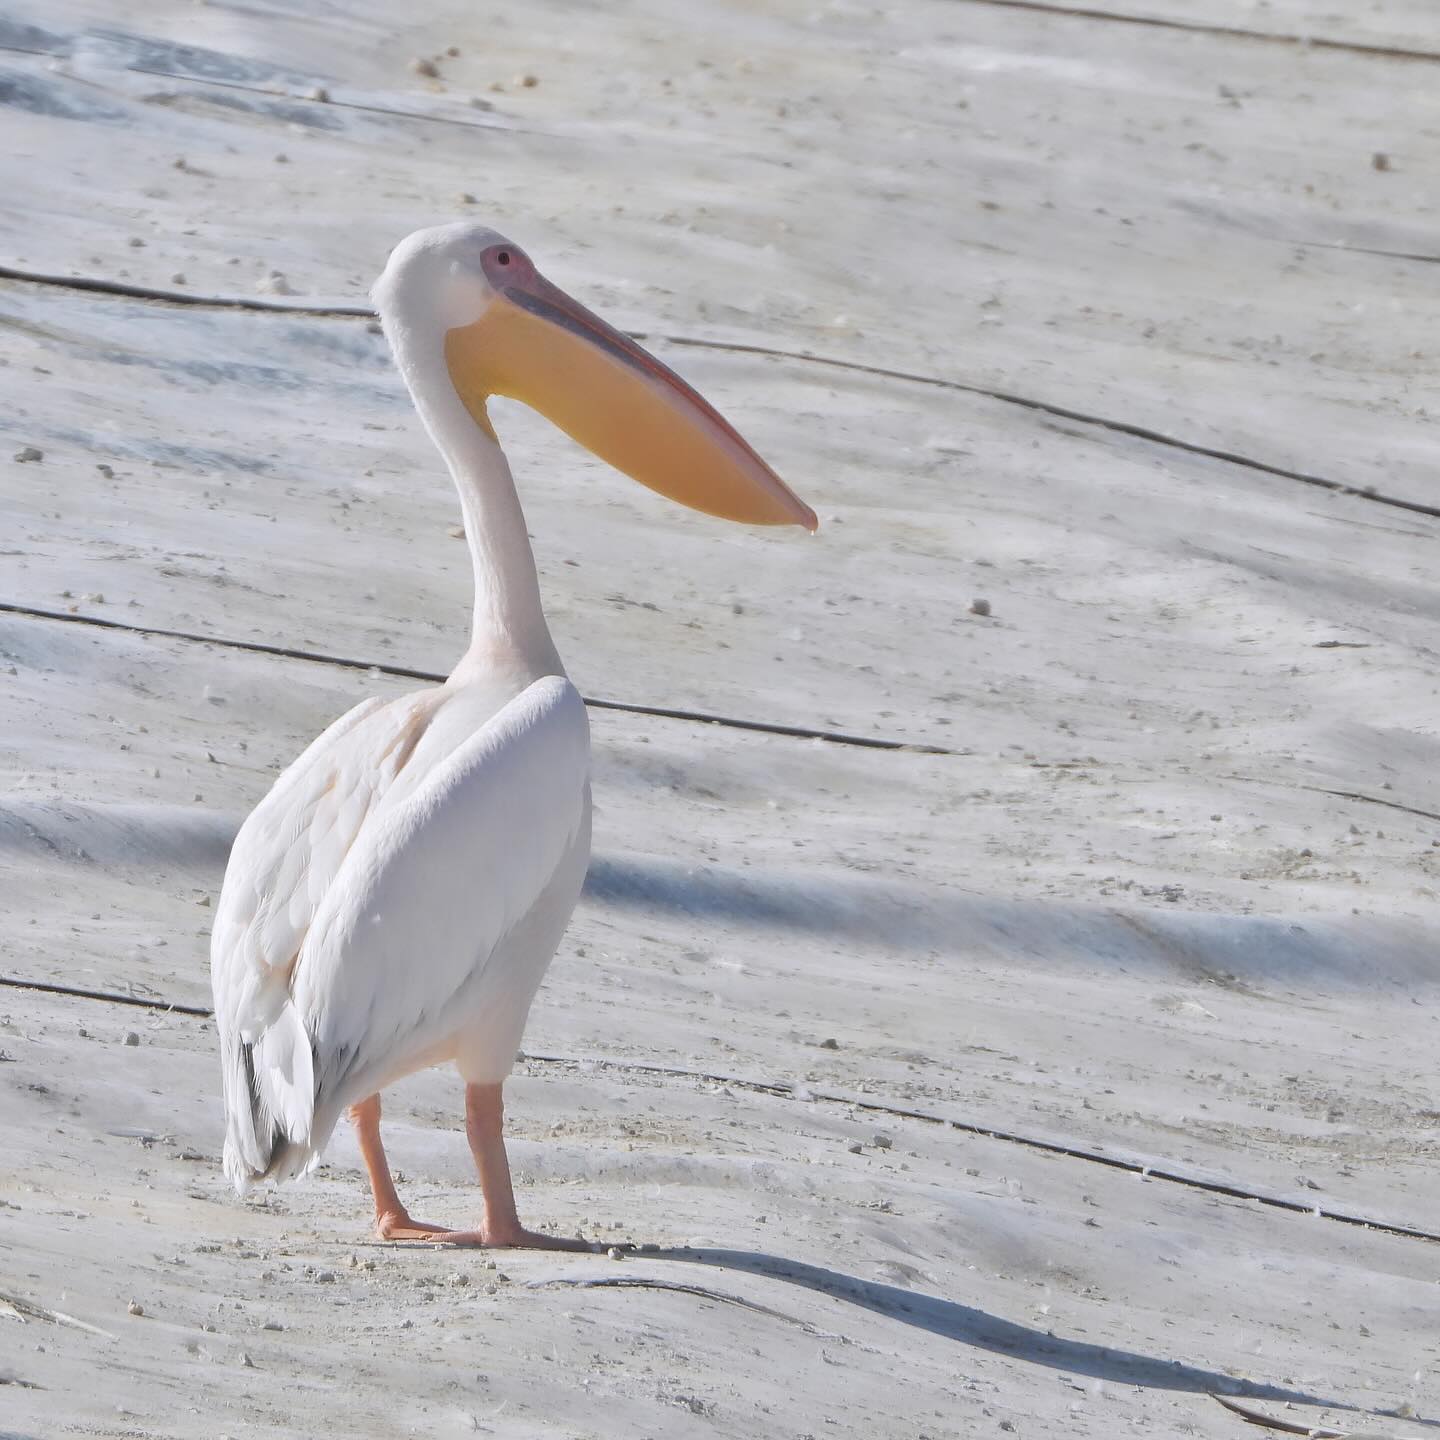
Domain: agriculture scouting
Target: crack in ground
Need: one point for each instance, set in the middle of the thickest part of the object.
(1226, 32)
(96, 285)
(405, 672)
(790, 1090)
(1366, 250)
(646, 1282)
(1339, 795)
(1046, 407)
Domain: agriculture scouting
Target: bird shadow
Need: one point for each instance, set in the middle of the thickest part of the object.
(967, 1325)
(1233, 951)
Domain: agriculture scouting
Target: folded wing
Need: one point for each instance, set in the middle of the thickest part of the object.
(352, 928)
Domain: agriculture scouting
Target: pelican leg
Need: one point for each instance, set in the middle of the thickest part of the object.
(501, 1227)
(392, 1220)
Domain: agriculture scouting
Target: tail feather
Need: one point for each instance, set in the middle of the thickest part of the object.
(270, 1104)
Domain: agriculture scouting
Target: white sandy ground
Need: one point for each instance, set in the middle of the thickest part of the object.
(1169, 899)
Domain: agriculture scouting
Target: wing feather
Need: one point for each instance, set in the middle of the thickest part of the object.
(265, 911)
(398, 953)
(287, 853)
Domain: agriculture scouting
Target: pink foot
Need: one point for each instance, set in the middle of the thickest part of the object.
(397, 1225)
(516, 1238)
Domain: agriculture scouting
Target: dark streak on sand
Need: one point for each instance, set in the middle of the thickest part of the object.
(783, 1089)
(805, 357)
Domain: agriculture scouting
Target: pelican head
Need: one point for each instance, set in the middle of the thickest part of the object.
(508, 331)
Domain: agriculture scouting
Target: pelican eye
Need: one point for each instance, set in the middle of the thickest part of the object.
(503, 257)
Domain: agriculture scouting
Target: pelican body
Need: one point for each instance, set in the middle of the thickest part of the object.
(395, 899)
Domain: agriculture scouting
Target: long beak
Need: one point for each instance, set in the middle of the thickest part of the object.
(537, 345)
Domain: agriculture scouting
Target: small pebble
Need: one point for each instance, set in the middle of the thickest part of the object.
(830, 1044)
(979, 607)
(136, 243)
(131, 1038)
(465, 198)
(135, 1308)
(178, 278)
(855, 1148)
(272, 1325)
(282, 159)
(325, 1277)
(615, 1253)
(246, 1361)
(529, 82)
(421, 66)
(106, 471)
(1380, 160)
(319, 93)
(458, 1279)
(29, 454)
(882, 1142)
(476, 103)
(274, 283)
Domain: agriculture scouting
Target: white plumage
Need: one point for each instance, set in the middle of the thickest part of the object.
(393, 903)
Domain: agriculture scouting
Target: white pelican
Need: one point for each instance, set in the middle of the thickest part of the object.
(394, 900)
